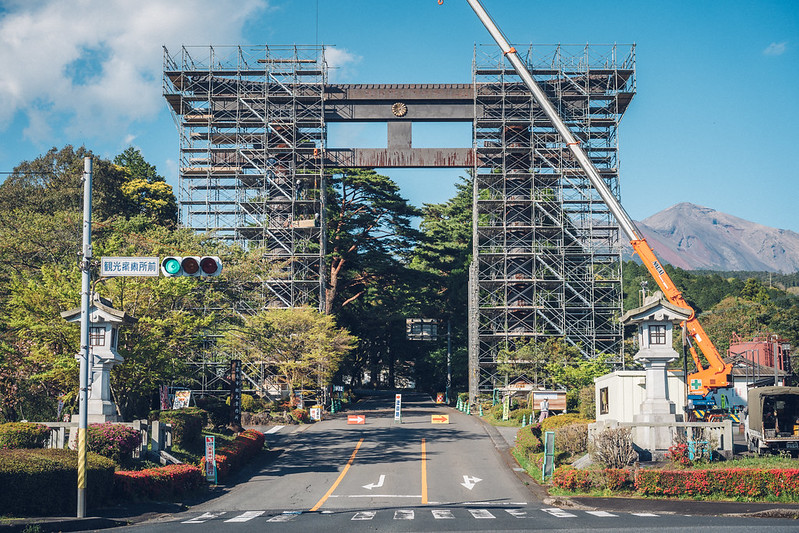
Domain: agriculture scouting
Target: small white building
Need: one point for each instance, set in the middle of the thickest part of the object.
(619, 395)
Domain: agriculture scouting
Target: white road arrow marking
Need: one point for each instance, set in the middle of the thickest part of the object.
(470, 481)
(377, 485)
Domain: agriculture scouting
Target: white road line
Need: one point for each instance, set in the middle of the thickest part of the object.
(481, 513)
(246, 516)
(285, 516)
(402, 514)
(644, 514)
(442, 514)
(364, 515)
(558, 513)
(203, 517)
(274, 429)
(518, 513)
(383, 496)
(602, 514)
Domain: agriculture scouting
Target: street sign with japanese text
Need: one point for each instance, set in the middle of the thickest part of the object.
(210, 459)
(398, 408)
(129, 266)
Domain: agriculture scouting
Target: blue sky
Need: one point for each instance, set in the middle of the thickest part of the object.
(713, 122)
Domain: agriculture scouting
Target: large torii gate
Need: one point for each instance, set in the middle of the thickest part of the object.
(546, 254)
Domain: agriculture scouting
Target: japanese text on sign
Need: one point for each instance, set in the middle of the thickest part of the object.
(129, 266)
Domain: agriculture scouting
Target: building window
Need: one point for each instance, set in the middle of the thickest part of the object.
(113, 338)
(603, 401)
(657, 334)
(96, 336)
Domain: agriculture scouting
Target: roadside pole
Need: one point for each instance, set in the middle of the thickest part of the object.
(83, 395)
(449, 359)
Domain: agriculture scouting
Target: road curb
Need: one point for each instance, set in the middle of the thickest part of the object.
(47, 525)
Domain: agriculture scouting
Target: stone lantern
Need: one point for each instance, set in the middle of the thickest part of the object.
(655, 321)
(104, 323)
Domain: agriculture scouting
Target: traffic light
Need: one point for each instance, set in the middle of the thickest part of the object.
(191, 266)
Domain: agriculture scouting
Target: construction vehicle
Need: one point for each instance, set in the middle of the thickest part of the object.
(716, 374)
(772, 419)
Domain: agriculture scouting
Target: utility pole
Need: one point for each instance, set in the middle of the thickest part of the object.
(449, 359)
(83, 395)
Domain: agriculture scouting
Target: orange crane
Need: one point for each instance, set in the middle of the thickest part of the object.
(716, 373)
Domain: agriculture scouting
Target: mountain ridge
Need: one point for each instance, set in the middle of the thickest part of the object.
(694, 237)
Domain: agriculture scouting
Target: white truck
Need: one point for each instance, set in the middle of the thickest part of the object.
(772, 420)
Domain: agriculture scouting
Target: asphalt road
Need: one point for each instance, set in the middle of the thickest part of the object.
(408, 476)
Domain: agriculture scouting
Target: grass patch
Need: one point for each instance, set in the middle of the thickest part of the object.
(766, 461)
(510, 423)
(530, 467)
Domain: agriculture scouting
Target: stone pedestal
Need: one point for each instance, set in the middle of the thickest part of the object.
(657, 408)
(100, 408)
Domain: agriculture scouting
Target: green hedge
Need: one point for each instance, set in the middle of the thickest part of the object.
(167, 482)
(527, 442)
(187, 425)
(45, 482)
(558, 421)
(114, 441)
(15, 435)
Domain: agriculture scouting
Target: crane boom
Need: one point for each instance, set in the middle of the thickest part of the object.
(705, 379)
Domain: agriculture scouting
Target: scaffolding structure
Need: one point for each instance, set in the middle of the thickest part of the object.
(547, 257)
(252, 130)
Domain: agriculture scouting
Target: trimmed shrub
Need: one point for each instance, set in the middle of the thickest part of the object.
(527, 443)
(572, 439)
(518, 414)
(15, 435)
(301, 415)
(167, 482)
(187, 425)
(558, 421)
(233, 454)
(574, 480)
(45, 483)
(750, 483)
(114, 441)
(218, 411)
(568, 478)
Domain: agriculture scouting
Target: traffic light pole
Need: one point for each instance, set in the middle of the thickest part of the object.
(83, 395)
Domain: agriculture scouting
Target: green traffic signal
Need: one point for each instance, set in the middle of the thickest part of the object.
(170, 266)
(206, 266)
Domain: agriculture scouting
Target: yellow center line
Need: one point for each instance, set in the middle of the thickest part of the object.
(424, 473)
(340, 477)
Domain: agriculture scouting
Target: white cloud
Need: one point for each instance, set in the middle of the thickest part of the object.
(94, 66)
(776, 49)
(338, 60)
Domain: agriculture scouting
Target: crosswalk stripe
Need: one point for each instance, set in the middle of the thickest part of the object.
(442, 514)
(203, 517)
(246, 516)
(402, 514)
(364, 515)
(481, 513)
(558, 513)
(602, 514)
(643, 514)
(517, 513)
(285, 516)
(274, 429)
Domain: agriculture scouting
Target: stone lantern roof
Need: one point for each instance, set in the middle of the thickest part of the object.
(656, 308)
(101, 311)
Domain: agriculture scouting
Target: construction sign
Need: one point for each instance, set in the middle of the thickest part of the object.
(356, 419)
(439, 419)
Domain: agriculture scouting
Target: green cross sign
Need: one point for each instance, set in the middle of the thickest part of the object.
(696, 384)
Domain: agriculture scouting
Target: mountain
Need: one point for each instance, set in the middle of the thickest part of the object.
(693, 237)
